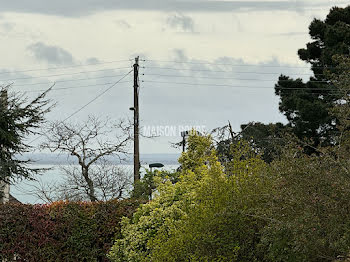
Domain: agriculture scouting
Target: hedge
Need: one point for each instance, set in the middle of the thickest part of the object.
(62, 231)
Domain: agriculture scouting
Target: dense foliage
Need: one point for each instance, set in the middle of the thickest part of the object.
(146, 186)
(295, 209)
(264, 139)
(309, 214)
(62, 231)
(208, 215)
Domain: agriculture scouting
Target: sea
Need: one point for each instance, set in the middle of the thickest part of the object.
(24, 191)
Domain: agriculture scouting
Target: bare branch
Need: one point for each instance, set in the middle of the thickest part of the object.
(91, 143)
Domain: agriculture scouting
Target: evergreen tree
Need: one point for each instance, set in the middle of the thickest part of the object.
(307, 105)
(18, 119)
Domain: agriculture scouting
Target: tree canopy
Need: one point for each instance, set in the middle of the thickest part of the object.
(307, 105)
(19, 117)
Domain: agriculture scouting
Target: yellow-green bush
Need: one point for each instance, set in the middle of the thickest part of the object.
(208, 215)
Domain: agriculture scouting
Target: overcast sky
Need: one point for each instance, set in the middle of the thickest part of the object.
(174, 39)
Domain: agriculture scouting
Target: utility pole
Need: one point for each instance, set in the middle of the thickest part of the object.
(136, 122)
(4, 185)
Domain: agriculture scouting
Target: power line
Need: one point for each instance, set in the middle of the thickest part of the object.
(102, 70)
(224, 64)
(74, 87)
(63, 67)
(68, 80)
(96, 97)
(241, 65)
(232, 78)
(66, 74)
(225, 85)
(88, 103)
(224, 71)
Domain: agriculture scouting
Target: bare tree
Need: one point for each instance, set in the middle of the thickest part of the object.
(46, 192)
(92, 144)
(110, 182)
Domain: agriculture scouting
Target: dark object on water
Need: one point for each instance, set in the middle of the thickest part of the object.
(157, 165)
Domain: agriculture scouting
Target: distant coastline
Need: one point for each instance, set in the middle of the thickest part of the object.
(63, 159)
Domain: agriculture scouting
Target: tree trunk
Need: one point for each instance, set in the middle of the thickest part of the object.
(90, 184)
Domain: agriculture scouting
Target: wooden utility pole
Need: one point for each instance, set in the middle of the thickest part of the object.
(4, 184)
(136, 122)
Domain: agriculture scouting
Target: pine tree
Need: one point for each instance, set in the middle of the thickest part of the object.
(18, 119)
(307, 105)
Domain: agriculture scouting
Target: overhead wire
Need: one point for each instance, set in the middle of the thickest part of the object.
(239, 65)
(64, 74)
(101, 70)
(96, 97)
(175, 76)
(231, 78)
(88, 103)
(306, 88)
(63, 67)
(74, 87)
(237, 86)
(67, 80)
(225, 71)
(225, 64)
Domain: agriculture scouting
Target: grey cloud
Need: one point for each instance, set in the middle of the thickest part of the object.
(181, 21)
(92, 61)
(51, 54)
(87, 7)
